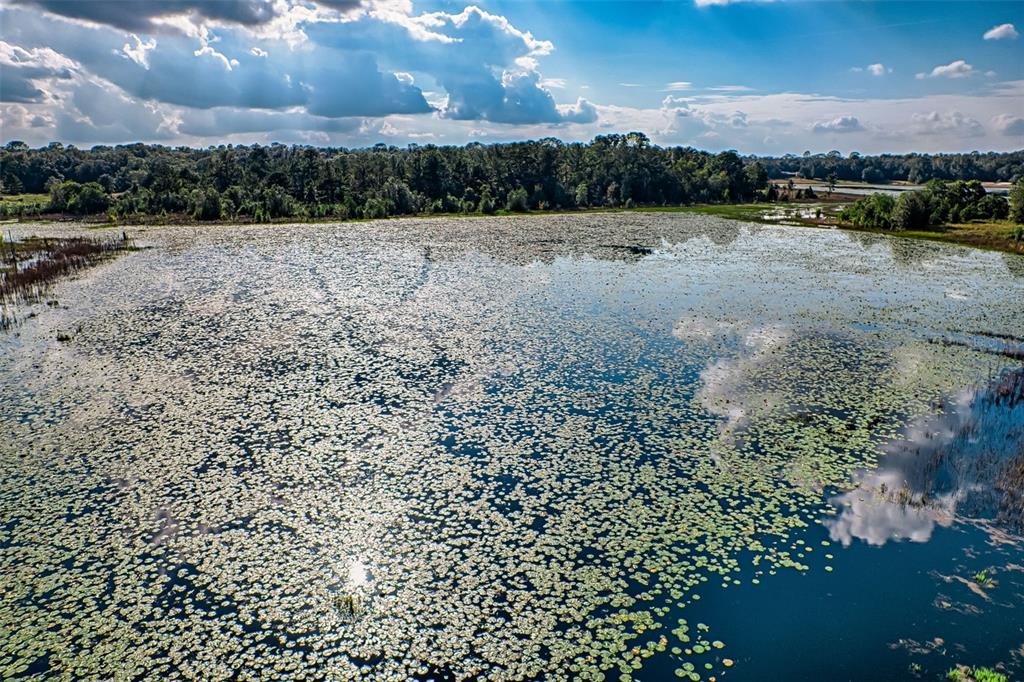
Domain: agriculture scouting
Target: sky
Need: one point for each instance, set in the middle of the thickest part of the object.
(760, 77)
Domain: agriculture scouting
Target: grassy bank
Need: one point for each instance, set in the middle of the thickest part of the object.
(995, 236)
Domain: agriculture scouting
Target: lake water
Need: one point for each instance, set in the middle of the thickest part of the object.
(618, 446)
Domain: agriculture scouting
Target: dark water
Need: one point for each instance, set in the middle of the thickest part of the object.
(516, 449)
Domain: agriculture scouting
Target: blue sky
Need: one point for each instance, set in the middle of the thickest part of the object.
(760, 77)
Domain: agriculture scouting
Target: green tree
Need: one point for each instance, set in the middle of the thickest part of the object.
(62, 193)
(911, 212)
(1016, 213)
(582, 197)
(90, 199)
(487, 206)
(374, 208)
(206, 205)
(518, 201)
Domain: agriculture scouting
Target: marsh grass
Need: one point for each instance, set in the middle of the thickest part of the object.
(28, 267)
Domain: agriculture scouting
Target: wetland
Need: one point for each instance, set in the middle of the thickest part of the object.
(616, 446)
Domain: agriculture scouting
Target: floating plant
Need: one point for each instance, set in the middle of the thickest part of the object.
(539, 445)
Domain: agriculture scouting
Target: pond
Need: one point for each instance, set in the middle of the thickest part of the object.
(617, 446)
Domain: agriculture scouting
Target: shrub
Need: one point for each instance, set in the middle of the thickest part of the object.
(517, 201)
(1016, 205)
(911, 212)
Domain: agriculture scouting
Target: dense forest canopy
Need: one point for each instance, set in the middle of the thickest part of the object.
(915, 168)
(266, 182)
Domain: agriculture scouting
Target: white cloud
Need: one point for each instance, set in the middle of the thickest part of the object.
(947, 124)
(581, 112)
(956, 69)
(343, 74)
(26, 71)
(840, 124)
(1001, 32)
(676, 86)
(208, 51)
(1008, 124)
(873, 69)
(137, 52)
(557, 83)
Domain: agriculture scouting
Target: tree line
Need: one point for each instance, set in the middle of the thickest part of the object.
(938, 203)
(885, 168)
(261, 183)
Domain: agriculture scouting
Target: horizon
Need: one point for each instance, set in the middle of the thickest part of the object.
(5, 143)
(760, 78)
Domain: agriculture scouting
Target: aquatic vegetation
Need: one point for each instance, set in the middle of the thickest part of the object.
(962, 673)
(28, 266)
(508, 449)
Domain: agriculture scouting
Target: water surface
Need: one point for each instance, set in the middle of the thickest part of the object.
(598, 447)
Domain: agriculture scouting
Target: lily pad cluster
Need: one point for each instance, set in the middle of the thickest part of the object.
(506, 449)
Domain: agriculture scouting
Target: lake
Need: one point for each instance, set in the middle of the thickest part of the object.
(617, 446)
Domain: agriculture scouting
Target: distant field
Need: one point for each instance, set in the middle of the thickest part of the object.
(18, 205)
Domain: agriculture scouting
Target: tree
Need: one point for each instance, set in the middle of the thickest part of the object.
(873, 211)
(206, 205)
(518, 201)
(374, 208)
(1016, 213)
(11, 184)
(62, 193)
(89, 199)
(911, 212)
(486, 202)
(265, 182)
(582, 197)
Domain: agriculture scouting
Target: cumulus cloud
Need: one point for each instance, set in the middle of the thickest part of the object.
(581, 112)
(840, 124)
(137, 52)
(85, 116)
(873, 69)
(956, 69)
(1001, 32)
(692, 124)
(1009, 125)
(176, 71)
(514, 98)
(345, 72)
(487, 67)
(21, 69)
(139, 15)
(948, 123)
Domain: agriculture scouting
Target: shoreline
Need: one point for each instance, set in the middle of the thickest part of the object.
(992, 236)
